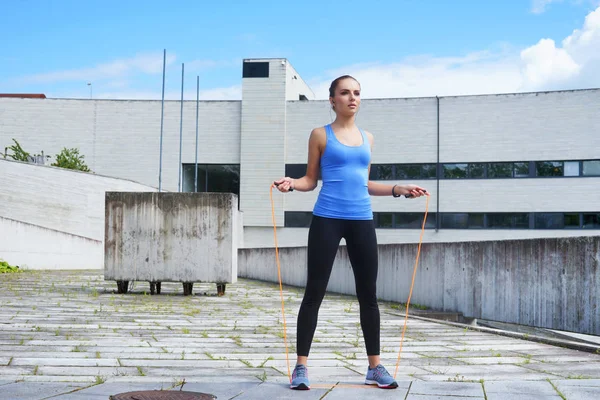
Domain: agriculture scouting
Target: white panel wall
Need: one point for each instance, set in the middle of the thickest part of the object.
(55, 198)
(295, 85)
(122, 138)
(262, 142)
(521, 127)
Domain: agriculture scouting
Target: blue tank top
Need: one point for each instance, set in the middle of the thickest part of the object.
(345, 175)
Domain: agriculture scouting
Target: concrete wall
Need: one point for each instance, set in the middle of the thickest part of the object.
(53, 218)
(171, 237)
(59, 199)
(550, 283)
(34, 247)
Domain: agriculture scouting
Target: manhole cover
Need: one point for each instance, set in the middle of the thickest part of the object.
(162, 395)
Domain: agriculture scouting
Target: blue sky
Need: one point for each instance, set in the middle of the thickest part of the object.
(395, 48)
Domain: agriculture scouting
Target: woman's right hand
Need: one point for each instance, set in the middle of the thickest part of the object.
(285, 185)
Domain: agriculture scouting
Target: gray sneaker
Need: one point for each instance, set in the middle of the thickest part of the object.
(300, 378)
(380, 377)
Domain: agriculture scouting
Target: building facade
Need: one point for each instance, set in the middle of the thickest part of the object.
(504, 166)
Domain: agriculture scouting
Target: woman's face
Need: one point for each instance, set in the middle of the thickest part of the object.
(347, 97)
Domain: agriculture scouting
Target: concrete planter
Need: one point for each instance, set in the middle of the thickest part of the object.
(171, 237)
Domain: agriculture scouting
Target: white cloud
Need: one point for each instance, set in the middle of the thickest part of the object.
(539, 6)
(575, 64)
(572, 64)
(149, 63)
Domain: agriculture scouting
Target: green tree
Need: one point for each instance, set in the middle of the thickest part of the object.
(71, 159)
(18, 154)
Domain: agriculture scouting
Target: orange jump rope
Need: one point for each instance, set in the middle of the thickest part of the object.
(281, 286)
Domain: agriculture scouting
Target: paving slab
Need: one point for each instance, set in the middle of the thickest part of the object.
(86, 335)
(348, 391)
(520, 390)
(281, 391)
(35, 391)
(465, 389)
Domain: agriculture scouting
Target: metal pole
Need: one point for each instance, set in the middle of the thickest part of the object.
(196, 161)
(162, 111)
(180, 129)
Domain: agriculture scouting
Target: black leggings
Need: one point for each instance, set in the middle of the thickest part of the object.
(323, 241)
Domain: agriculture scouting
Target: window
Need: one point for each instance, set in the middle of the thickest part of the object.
(549, 221)
(408, 171)
(500, 170)
(476, 170)
(549, 168)
(455, 220)
(591, 220)
(508, 220)
(572, 220)
(414, 220)
(255, 70)
(212, 178)
(591, 168)
(381, 172)
(476, 220)
(297, 219)
(295, 171)
(428, 171)
(384, 220)
(521, 170)
(453, 171)
(571, 168)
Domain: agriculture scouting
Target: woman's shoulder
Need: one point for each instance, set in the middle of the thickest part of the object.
(318, 133)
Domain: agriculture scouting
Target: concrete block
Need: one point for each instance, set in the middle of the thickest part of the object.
(171, 237)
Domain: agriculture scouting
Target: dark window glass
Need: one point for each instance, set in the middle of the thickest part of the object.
(476, 220)
(591, 168)
(295, 171)
(549, 168)
(255, 70)
(455, 220)
(297, 219)
(591, 220)
(384, 220)
(189, 175)
(521, 169)
(453, 171)
(549, 221)
(571, 220)
(409, 220)
(381, 172)
(476, 170)
(428, 171)
(408, 171)
(499, 221)
(521, 220)
(223, 178)
(500, 170)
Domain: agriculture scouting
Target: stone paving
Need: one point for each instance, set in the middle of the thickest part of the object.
(69, 335)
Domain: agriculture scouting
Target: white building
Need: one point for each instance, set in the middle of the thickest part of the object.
(498, 166)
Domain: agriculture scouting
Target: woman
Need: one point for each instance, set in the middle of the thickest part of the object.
(341, 153)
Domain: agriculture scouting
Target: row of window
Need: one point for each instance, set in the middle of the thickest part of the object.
(212, 178)
(407, 220)
(489, 170)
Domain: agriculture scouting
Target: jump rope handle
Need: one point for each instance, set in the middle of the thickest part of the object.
(408, 196)
(291, 189)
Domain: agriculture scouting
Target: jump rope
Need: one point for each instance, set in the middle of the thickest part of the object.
(281, 285)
